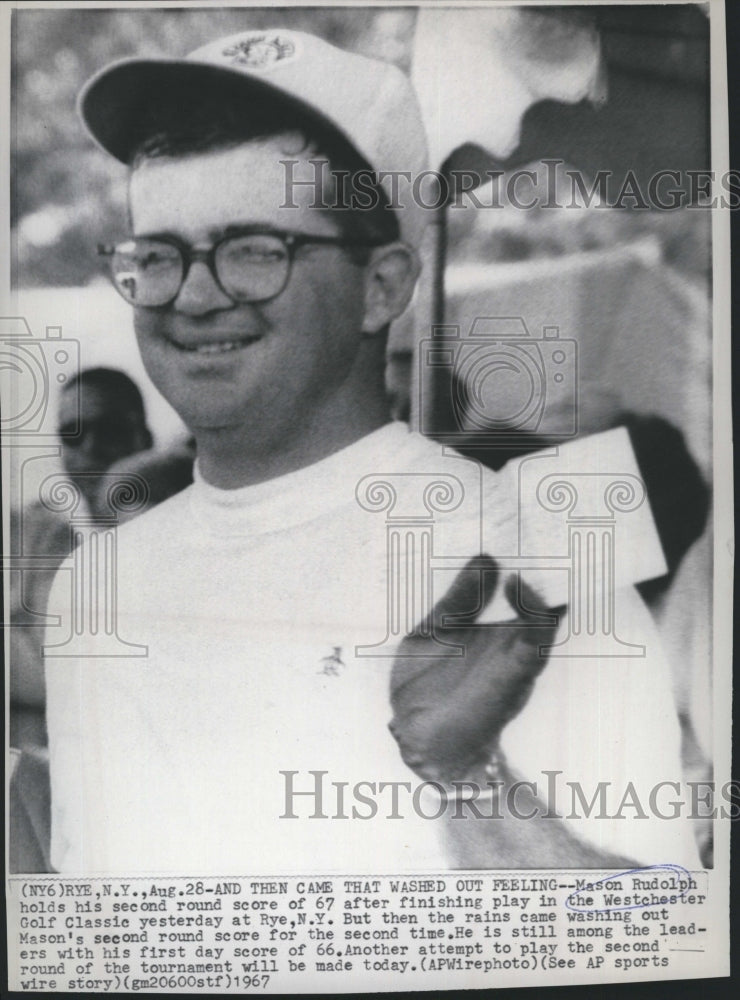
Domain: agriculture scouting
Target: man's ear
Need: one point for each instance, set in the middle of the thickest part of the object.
(390, 277)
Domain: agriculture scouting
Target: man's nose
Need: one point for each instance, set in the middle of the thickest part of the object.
(200, 292)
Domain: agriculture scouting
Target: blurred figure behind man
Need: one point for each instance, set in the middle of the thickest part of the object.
(108, 408)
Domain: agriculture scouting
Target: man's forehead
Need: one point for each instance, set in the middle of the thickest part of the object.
(87, 401)
(270, 180)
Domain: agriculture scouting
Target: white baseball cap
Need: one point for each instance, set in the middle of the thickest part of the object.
(369, 103)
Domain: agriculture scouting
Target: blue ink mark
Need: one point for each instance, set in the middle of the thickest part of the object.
(675, 870)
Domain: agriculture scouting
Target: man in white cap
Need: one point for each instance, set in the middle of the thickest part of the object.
(263, 591)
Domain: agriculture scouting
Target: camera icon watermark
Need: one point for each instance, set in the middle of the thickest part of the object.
(497, 383)
(32, 369)
(568, 518)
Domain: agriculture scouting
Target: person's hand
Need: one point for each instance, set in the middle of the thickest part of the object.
(448, 711)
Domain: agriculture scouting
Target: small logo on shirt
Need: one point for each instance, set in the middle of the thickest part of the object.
(333, 664)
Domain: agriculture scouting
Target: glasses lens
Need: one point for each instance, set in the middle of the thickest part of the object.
(147, 272)
(252, 267)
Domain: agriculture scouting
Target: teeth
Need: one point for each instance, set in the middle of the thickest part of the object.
(218, 347)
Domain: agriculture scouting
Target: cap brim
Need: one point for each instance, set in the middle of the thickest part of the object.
(119, 104)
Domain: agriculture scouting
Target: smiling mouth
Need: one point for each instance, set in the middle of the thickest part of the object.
(216, 346)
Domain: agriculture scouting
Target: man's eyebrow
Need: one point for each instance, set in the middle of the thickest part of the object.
(233, 229)
(164, 234)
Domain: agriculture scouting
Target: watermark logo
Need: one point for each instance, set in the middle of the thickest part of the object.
(500, 390)
(410, 502)
(93, 628)
(28, 367)
(50, 516)
(313, 795)
(547, 185)
(503, 382)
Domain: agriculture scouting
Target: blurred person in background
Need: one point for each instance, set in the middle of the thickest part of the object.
(107, 407)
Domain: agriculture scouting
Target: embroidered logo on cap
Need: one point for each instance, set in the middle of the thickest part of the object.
(261, 51)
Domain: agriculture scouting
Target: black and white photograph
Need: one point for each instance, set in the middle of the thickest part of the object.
(367, 495)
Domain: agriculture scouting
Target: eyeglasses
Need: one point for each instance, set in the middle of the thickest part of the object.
(248, 266)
